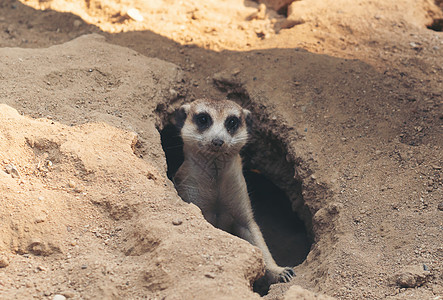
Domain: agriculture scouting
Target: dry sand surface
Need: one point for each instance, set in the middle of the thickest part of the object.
(344, 163)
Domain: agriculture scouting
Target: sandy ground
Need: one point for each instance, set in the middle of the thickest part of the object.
(348, 127)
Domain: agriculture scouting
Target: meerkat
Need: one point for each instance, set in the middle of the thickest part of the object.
(211, 175)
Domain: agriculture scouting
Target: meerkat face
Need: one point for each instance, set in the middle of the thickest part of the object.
(213, 127)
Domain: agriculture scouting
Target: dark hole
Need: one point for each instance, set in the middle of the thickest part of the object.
(172, 145)
(437, 25)
(285, 233)
(283, 11)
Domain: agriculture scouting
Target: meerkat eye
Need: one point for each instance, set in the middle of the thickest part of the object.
(203, 121)
(232, 123)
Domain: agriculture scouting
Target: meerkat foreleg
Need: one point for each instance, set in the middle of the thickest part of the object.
(251, 232)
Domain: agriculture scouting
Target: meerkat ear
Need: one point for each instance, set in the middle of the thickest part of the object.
(248, 118)
(181, 114)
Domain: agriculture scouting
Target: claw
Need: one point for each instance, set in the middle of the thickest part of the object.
(287, 274)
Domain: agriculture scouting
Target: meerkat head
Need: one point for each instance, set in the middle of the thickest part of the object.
(213, 127)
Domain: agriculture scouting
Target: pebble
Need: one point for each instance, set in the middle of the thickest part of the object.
(210, 275)
(236, 71)
(4, 261)
(412, 277)
(11, 169)
(440, 206)
(135, 14)
(261, 13)
(40, 219)
(177, 222)
(58, 297)
(68, 294)
(8, 169)
(77, 23)
(71, 183)
(173, 93)
(41, 268)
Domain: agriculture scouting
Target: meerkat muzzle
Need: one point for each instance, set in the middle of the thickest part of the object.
(218, 142)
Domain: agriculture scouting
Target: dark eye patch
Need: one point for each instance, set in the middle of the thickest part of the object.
(203, 121)
(232, 123)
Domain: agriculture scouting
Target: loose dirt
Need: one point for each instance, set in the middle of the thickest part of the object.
(348, 124)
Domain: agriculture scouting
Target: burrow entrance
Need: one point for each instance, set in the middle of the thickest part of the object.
(275, 195)
(436, 25)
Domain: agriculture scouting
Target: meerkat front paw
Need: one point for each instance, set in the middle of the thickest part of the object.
(287, 274)
(273, 275)
(279, 274)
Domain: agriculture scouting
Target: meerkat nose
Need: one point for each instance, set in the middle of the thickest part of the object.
(218, 142)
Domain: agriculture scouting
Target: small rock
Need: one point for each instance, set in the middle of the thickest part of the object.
(406, 280)
(12, 170)
(40, 219)
(84, 267)
(135, 14)
(260, 14)
(58, 297)
(377, 152)
(4, 261)
(78, 190)
(289, 23)
(440, 206)
(68, 294)
(411, 277)
(71, 183)
(210, 275)
(8, 169)
(38, 247)
(197, 15)
(236, 71)
(41, 268)
(173, 93)
(177, 222)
